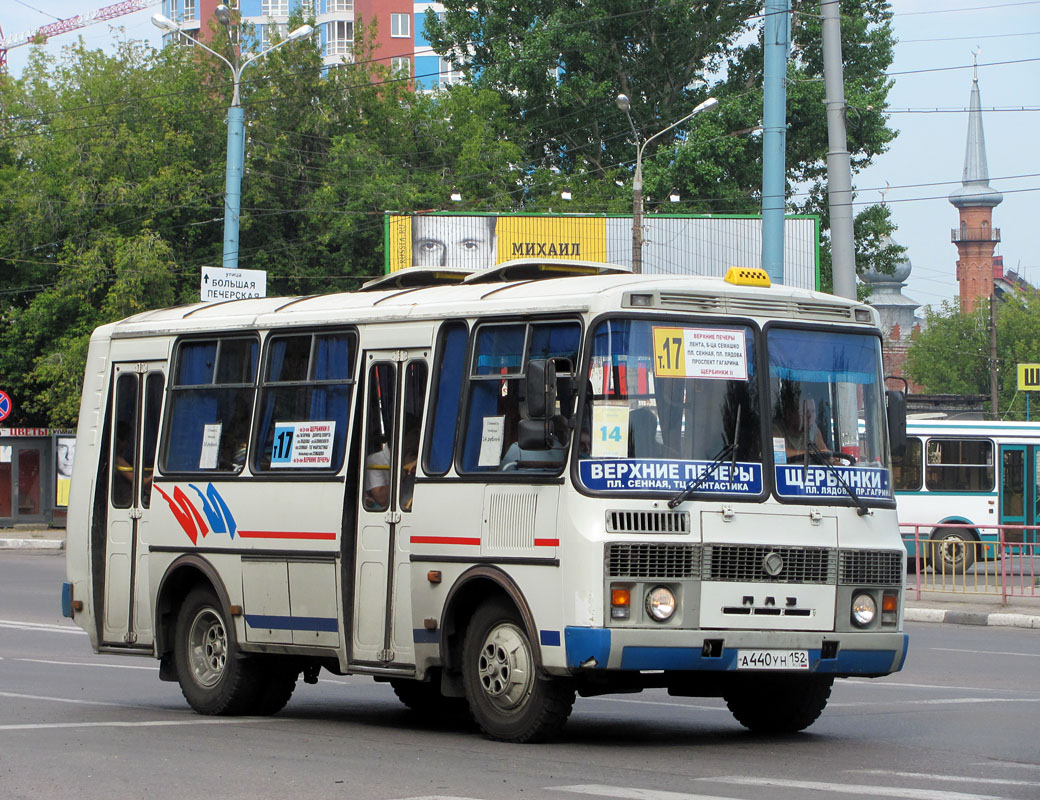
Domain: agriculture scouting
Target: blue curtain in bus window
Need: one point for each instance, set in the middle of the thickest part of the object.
(275, 359)
(332, 402)
(483, 402)
(192, 409)
(556, 341)
(823, 358)
(500, 350)
(449, 389)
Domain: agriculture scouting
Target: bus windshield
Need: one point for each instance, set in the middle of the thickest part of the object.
(826, 406)
(676, 406)
(669, 403)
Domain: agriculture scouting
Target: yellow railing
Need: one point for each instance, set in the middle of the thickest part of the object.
(972, 559)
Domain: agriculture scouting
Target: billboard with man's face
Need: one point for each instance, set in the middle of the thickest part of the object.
(679, 245)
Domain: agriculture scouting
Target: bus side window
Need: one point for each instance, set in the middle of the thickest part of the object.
(444, 414)
(411, 431)
(308, 378)
(211, 403)
(906, 470)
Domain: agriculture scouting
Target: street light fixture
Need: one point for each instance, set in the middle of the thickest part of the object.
(236, 153)
(637, 181)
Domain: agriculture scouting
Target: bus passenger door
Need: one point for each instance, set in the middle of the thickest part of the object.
(395, 387)
(1020, 490)
(134, 425)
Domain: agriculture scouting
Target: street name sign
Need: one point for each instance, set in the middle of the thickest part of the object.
(232, 284)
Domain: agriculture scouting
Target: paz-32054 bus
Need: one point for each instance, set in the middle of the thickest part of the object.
(509, 486)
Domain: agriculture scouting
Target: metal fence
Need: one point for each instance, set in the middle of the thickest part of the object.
(950, 558)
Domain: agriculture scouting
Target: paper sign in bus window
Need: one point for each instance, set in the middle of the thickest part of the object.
(210, 445)
(610, 431)
(713, 353)
(303, 444)
(491, 438)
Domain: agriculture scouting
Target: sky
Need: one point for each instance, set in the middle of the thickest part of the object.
(932, 73)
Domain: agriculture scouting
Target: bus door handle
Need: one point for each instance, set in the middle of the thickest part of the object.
(392, 517)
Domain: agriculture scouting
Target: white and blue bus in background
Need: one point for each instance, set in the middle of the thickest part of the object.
(974, 475)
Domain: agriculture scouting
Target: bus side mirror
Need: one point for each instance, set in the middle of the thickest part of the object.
(895, 403)
(541, 388)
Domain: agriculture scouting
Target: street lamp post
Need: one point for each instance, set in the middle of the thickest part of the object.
(236, 152)
(637, 181)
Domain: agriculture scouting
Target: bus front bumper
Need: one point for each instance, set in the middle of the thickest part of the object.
(867, 654)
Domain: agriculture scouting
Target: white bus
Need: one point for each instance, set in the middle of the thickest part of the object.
(509, 486)
(971, 474)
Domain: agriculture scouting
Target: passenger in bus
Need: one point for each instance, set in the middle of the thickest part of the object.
(409, 461)
(376, 495)
(791, 426)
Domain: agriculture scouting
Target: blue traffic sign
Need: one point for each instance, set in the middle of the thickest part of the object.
(5, 405)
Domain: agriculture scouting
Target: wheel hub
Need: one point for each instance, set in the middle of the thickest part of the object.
(504, 667)
(208, 648)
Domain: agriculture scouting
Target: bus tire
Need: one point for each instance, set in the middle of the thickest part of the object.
(277, 682)
(214, 677)
(779, 703)
(508, 699)
(952, 549)
(425, 699)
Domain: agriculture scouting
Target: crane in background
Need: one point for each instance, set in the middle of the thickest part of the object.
(44, 32)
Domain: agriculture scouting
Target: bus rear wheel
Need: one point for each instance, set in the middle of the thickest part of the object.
(507, 697)
(214, 678)
(952, 550)
(779, 703)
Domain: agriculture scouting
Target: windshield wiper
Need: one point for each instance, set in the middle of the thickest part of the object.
(817, 454)
(727, 450)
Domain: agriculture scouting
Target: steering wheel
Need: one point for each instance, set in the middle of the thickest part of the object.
(848, 458)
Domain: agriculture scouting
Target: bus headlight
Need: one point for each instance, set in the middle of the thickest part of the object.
(660, 603)
(864, 609)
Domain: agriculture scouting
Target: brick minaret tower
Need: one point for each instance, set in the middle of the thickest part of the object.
(975, 237)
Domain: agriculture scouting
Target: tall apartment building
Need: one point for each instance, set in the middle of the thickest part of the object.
(400, 40)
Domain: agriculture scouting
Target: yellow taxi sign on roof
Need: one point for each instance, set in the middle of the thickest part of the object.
(748, 276)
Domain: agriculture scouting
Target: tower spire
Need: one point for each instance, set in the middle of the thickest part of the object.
(975, 199)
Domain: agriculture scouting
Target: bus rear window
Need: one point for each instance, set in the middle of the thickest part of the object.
(959, 465)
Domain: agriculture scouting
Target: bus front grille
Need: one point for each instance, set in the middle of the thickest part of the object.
(763, 564)
(648, 522)
(870, 567)
(635, 560)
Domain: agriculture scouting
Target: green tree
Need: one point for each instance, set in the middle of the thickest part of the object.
(560, 65)
(951, 355)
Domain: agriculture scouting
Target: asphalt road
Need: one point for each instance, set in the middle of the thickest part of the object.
(961, 722)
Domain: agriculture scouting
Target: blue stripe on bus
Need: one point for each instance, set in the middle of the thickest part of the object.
(847, 662)
(323, 624)
(423, 636)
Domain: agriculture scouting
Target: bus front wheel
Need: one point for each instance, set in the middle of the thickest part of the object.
(779, 703)
(507, 697)
(214, 678)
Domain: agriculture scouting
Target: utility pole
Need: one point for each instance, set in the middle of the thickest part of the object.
(774, 136)
(993, 387)
(839, 170)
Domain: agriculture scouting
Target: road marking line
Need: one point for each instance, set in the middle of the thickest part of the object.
(983, 652)
(898, 685)
(956, 778)
(158, 723)
(863, 790)
(86, 664)
(18, 696)
(631, 793)
(43, 627)
(952, 701)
